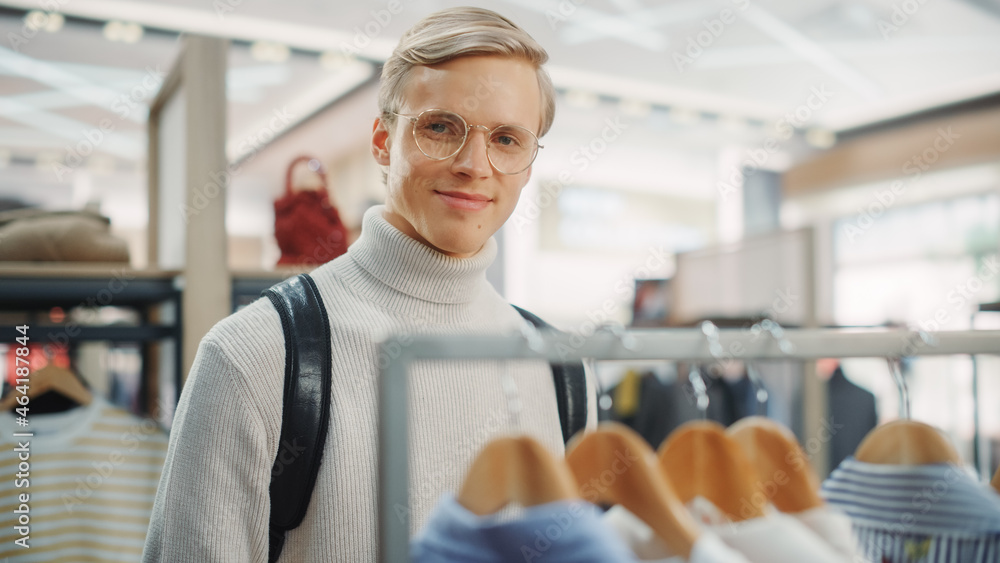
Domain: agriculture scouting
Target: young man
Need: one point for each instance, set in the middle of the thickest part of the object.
(463, 99)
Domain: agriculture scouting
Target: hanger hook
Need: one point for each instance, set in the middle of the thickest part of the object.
(695, 376)
(700, 390)
(775, 331)
(896, 370)
(758, 388)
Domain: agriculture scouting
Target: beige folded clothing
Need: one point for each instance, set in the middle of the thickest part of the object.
(31, 235)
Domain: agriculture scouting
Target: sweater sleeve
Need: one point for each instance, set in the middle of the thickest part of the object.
(212, 504)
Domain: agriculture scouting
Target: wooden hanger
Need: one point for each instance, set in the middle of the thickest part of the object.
(515, 469)
(996, 481)
(907, 442)
(700, 460)
(614, 465)
(780, 463)
(50, 378)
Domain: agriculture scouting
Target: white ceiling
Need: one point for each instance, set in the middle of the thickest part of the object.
(764, 61)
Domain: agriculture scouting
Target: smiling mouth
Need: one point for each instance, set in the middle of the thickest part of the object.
(466, 201)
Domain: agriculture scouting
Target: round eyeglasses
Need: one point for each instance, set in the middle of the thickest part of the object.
(440, 134)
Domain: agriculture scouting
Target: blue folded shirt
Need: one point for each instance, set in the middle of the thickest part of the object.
(557, 532)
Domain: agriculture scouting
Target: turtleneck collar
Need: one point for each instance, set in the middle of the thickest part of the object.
(416, 269)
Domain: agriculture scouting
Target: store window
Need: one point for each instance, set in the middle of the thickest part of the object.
(929, 267)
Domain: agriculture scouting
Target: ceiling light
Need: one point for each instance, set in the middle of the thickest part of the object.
(49, 21)
(821, 138)
(635, 108)
(582, 99)
(55, 22)
(732, 123)
(101, 164)
(125, 32)
(684, 116)
(269, 51)
(335, 60)
(45, 160)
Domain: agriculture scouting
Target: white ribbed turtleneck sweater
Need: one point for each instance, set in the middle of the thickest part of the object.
(212, 503)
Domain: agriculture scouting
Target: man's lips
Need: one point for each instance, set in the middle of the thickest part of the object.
(463, 200)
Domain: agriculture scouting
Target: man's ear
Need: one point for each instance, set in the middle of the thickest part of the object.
(381, 142)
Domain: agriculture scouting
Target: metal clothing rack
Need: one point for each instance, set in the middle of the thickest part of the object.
(400, 351)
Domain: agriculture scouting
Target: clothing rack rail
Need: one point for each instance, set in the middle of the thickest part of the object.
(400, 351)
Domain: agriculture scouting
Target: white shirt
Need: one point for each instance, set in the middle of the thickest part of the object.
(831, 524)
(773, 538)
(648, 547)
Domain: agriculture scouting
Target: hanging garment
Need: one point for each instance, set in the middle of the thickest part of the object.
(917, 513)
(662, 407)
(91, 480)
(647, 547)
(556, 532)
(832, 525)
(774, 538)
(745, 399)
(852, 413)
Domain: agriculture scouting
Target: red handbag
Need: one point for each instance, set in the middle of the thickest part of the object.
(307, 226)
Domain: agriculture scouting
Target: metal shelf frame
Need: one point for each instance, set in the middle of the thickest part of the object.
(662, 344)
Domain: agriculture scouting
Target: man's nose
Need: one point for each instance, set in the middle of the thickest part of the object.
(472, 159)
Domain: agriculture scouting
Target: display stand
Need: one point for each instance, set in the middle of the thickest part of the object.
(667, 344)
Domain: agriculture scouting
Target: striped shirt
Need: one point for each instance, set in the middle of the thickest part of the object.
(91, 479)
(917, 514)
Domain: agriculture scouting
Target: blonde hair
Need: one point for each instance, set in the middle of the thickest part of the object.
(461, 32)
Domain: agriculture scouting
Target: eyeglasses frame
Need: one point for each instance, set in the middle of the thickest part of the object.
(413, 131)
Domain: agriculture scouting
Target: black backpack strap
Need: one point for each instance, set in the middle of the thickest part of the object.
(305, 405)
(571, 386)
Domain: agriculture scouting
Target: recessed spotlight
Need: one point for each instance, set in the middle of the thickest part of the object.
(269, 52)
(684, 116)
(635, 108)
(125, 32)
(36, 20)
(55, 22)
(582, 99)
(732, 123)
(335, 60)
(821, 138)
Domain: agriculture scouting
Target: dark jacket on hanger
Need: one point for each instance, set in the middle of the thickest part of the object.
(852, 413)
